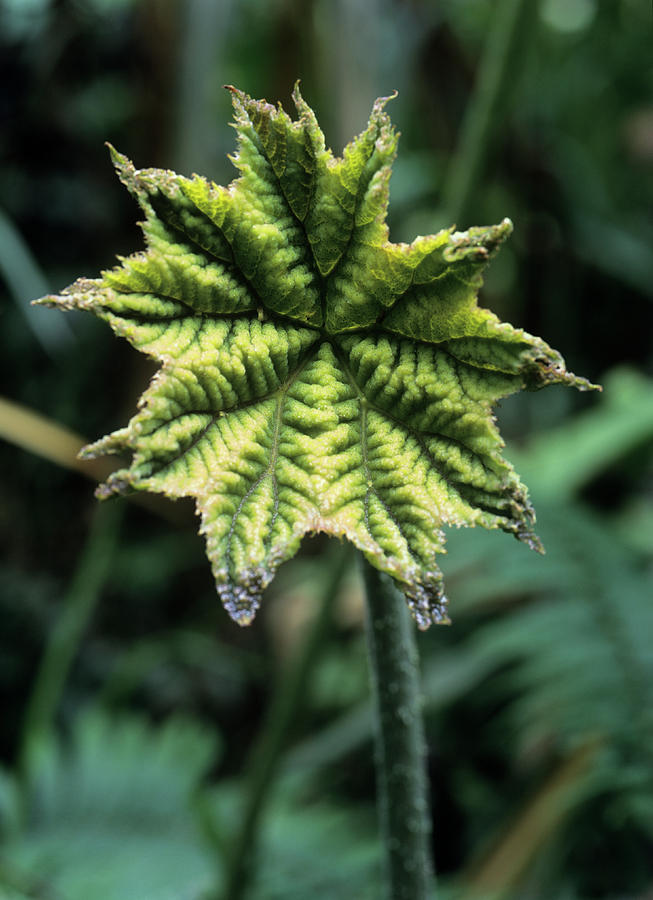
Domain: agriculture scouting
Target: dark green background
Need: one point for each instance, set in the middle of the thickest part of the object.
(540, 696)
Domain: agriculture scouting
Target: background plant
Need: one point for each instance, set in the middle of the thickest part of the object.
(507, 739)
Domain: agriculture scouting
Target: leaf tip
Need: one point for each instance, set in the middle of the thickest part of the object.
(380, 102)
(239, 100)
(118, 483)
(583, 384)
(527, 536)
(49, 300)
(242, 599)
(426, 599)
(114, 443)
(478, 244)
(122, 164)
(234, 91)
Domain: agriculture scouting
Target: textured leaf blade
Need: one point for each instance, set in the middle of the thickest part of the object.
(314, 376)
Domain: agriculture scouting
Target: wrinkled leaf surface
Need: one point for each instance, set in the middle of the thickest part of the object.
(313, 375)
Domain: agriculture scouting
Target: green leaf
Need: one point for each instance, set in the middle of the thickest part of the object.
(314, 376)
(111, 812)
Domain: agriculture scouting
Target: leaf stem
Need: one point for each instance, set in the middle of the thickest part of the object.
(64, 640)
(267, 753)
(400, 746)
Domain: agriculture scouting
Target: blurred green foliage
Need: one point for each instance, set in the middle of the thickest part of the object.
(539, 697)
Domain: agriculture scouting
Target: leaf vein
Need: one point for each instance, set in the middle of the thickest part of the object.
(245, 404)
(270, 470)
(414, 433)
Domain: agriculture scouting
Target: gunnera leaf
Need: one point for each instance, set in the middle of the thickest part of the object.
(314, 376)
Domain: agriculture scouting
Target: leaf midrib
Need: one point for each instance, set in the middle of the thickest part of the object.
(278, 393)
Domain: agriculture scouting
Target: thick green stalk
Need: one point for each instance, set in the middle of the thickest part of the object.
(400, 746)
(484, 114)
(63, 643)
(267, 753)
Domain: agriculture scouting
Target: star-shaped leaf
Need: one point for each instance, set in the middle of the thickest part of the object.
(314, 376)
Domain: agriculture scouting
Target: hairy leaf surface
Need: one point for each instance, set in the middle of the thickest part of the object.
(313, 375)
